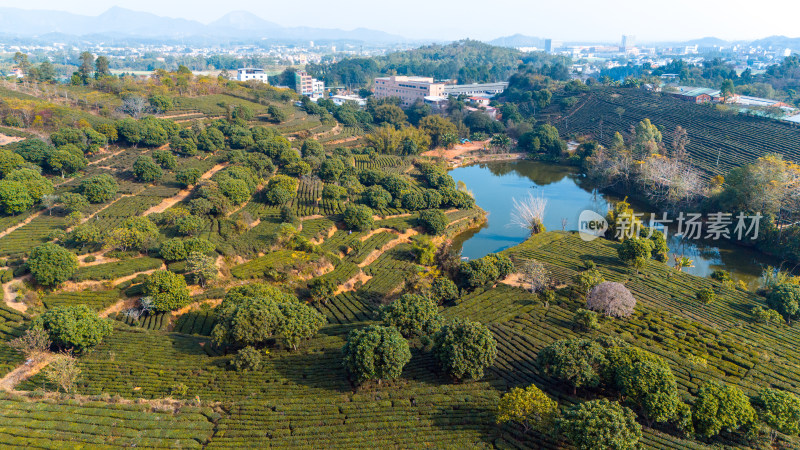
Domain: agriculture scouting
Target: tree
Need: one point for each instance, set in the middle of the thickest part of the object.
(35, 184)
(721, 407)
(600, 424)
(299, 322)
(322, 289)
(635, 252)
(248, 358)
(785, 298)
(389, 114)
(529, 213)
(706, 296)
(412, 315)
(250, 318)
(443, 291)
(14, 197)
(529, 407)
(146, 170)
(434, 221)
(99, 188)
(87, 66)
(358, 217)
(727, 89)
(203, 267)
(51, 264)
(588, 279)
(612, 299)
(188, 177)
(165, 159)
(536, 275)
(34, 343)
(330, 170)
(585, 320)
(780, 410)
(9, 162)
(63, 372)
(437, 127)
(101, 67)
(72, 201)
(464, 349)
(375, 353)
(377, 197)
(168, 290)
(312, 148)
(73, 327)
(576, 362)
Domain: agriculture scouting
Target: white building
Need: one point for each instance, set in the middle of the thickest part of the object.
(317, 88)
(247, 74)
(340, 100)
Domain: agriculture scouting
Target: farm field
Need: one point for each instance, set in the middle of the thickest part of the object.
(733, 139)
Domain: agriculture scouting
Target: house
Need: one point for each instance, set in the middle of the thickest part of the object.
(697, 95)
(340, 100)
(249, 73)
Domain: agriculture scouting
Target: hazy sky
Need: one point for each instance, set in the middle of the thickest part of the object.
(596, 20)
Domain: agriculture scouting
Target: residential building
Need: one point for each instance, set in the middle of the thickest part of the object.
(248, 73)
(340, 100)
(305, 84)
(475, 88)
(550, 45)
(408, 89)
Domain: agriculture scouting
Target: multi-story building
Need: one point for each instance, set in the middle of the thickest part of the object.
(408, 89)
(247, 74)
(475, 88)
(305, 84)
(628, 41)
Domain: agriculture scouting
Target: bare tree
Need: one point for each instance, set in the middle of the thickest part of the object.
(612, 299)
(679, 142)
(536, 275)
(34, 343)
(64, 372)
(671, 181)
(134, 105)
(529, 213)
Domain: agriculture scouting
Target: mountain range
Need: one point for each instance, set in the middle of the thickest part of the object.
(121, 22)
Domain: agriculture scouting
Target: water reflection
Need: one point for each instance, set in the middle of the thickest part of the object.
(568, 193)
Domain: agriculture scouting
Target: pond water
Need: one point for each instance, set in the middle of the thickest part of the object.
(496, 184)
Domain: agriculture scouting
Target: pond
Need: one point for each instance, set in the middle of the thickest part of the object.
(496, 185)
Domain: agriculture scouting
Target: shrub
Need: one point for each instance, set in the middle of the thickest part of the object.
(73, 327)
(585, 320)
(464, 349)
(248, 358)
(600, 424)
(588, 279)
(769, 316)
(485, 271)
(52, 264)
(173, 250)
(63, 372)
(375, 353)
(33, 343)
(434, 221)
(358, 217)
(377, 197)
(706, 296)
(612, 299)
(188, 177)
(635, 252)
(146, 170)
(529, 407)
(412, 314)
(322, 289)
(168, 290)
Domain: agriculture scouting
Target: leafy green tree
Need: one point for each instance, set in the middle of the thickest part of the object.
(203, 267)
(248, 358)
(721, 407)
(576, 362)
(464, 349)
(389, 114)
(331, 169)
(299, 322)
(322, 289)
(249, 321)
(168, 290)
(87, 66)
(434, 221)
(146, 170)
(72, 201)
(530, 407)
(99, 188)
(165, 159)
(312, 148)
(14, 197)
(358, 217)
(784, 298)
(585, 320)
(36, 185)
(412, 315)
(160, 103)
(588, 279)
(33, 150)
(478, 272)
(51, 264)
(635, 252)
(375, 353)
(780, 410)
(280, 189)
(600, 424)
(66, 160)
(443, 291)
(706, 296)
(173, 250)
(438, 127)
(73, 327)
(9, 162)
(188, 177)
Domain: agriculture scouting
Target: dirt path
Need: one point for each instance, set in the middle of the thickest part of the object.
(120, 306)
(344, 140)
(8, 230)
(401, 238)
(71, 286)
(4, 139)
(350, 285)
(106, 157)
(457, 150)
(9, 297)
(98, 259)
(28, 369)
(168, 203)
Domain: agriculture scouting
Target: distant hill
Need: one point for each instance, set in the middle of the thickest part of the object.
(121, 23)
(779, 41)
(518, 40)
